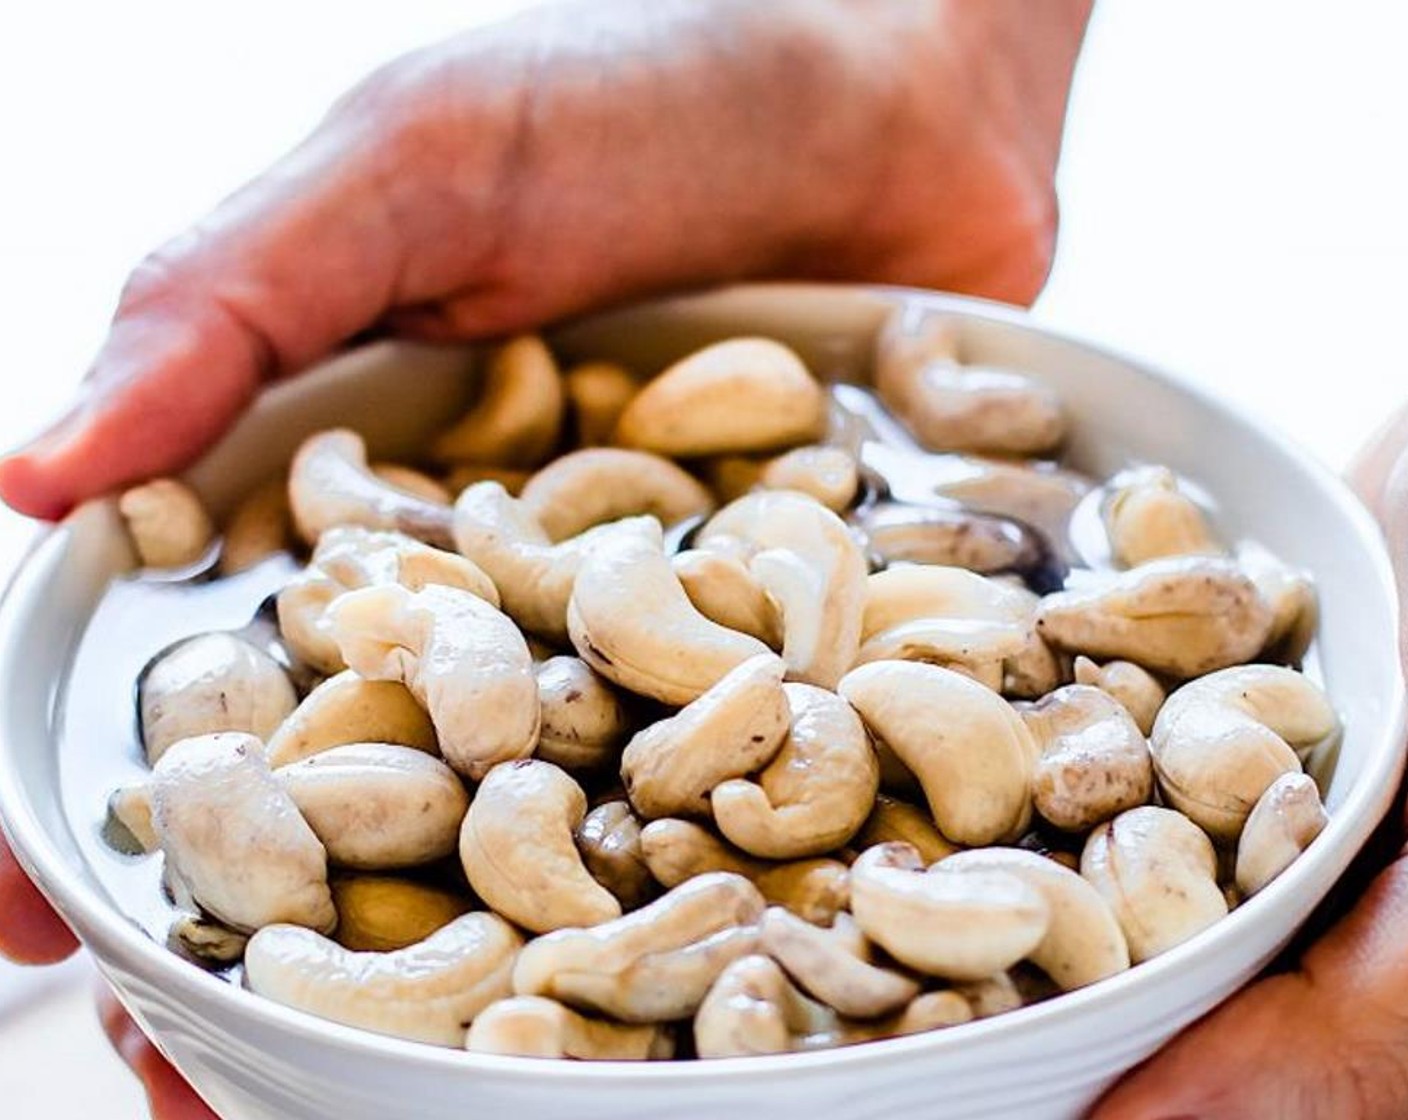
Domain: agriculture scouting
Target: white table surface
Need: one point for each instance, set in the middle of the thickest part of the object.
(1233, 195)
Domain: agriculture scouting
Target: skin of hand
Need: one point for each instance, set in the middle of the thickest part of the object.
(577, 156)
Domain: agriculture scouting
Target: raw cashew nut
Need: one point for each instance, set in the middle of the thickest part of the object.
(518, 416)
(1137, 689)
(974, 647)
(167, 523)
(585, 720)
(900, 532)
(212, 682)
(836, 965)
(1286, 819)
(381, 913)
(653, 965)
(535, 1027)
(330, 484)
(518, 850)
(742, 395)
(734, 728)
(1158, 872)
(723, 590)
(961, 927)
(130, 813)
(234, 839)
(1094, 763)
(427, 992)
(1184, 616)
(206, 942)
(817, 790)
(609, 840)
(1084, 942)
(413, 482)
(824, 472)
(809, 563)
(348, 709)
(967, 746)
(1295, 609)
(997, 995)
(1038, 495)
(1148, 518)
(1220, 741)
(378, 807)
(631, 621)
(598, 393)
(586, 488)
(894, 820)
(260, 527)
(464, 662)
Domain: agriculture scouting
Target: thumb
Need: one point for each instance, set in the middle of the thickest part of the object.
(168, 1093)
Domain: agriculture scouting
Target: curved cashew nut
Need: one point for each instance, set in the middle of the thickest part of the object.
(167, 523)
(996, 995)
(967, 746)
(535, 1027)
(1184, 616)
(1220, 741)
(518, 416)
(1084, 942)
(734, 728)
(1147, 517)
(609, 840)
(1290, 593)
(585, 720)
(348, 709)
(598, 393)
(900, 532)
(518, 850)
(466, 664)
(653, 965)
(260, 527)
(723, 590)
(742, 395)
(975, 647)
(1094, 763)
(427, 992)
(218, 812)
(835, 965)
(961, 927)
(586, 488)
(754, 1009)
(817, 790)
(212, 682)
(631, 621)
(1040, 496)
(809, 563)
(382, 913)
(1137, 689)
(413, 482)
(898, 821)
(330, 483)
(1286, 819)
(378, 807)
(827, 473)
(1158, 872)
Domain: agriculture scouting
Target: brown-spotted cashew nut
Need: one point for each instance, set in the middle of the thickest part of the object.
(1157, 870)
(1038, 495)
(598, 393)
(836, 965)
(535, 577)
(960, 927)
(347, 558)
(967, 746)
(330, 483)
(1286, 819)
(1137, 689)
(519, 853)
(723, 590)
(260, 527)
(630, 620)
(1094, 762)
(809, 563)
(609, 840)
(586, 488)
(894, 820)
(234, 840)
(1147, 517)
(1083, 942)
(816, 890)
(653, 965)
(426, 992)
(378, 807)
(383, 913)
(734, 728)
(536, 1027)
(585, 720)
(518, 416)
(742, 395)
(347, 709)
(167, 523)
(1221, 740)
(816, 791)
(212, 682)
(464, 661)
(1184, 616)
(822, 471)
(414, 482)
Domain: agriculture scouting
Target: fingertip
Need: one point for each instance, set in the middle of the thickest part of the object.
(30, 932)
(25, 487)
(168, 1093)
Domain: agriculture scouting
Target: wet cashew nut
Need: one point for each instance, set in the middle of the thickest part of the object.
(1286, 819)
(827, 474)
(723, 590)
(518, 416)
(598, 393)
(1295, 608)
(260, 527)
(167, 523)
(609, 840)
(587, 488)
(835, 965)
(535, 1027)
(585, 721)
(894, 820)
(1137, 689)
(898, 532)
(1147, 517)
(382, 913)
(348, 709)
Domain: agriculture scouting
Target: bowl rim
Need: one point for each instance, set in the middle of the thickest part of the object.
(105, 928)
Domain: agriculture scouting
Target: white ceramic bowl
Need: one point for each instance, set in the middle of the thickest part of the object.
(251, 1058)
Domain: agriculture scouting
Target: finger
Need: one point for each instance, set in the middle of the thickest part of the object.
(1328, 1040)
(168, 1093)
(30, 931)
(1369, 471)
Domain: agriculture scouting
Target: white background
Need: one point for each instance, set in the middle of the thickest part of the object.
(1234, 190)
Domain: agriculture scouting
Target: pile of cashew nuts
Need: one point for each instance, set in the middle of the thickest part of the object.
(720, 713)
